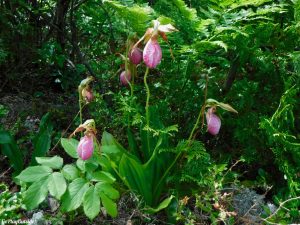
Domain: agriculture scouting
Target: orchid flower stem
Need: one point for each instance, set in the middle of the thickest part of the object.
(147, 106)
(98, 145)
(201, 113)
(132, 82)
(148, 96)
(195, 126)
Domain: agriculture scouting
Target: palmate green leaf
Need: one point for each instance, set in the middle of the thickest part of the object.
(103, 177)
(91, 203)
(107, 189)
(36, 193)
(70, 146)
(90, 165)
(34, 173)
(54, 162)
(81, 164)
(109, 205)
(57, 185)
(70, 172)
(73, 198)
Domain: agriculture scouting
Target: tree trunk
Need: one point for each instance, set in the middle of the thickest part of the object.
(60, 22)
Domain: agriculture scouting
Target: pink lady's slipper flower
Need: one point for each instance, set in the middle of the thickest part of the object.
(125, 78)
(85, 148)
(87, 94)
(85, 91)
(152, 53)
(136, 56)
(213, 121)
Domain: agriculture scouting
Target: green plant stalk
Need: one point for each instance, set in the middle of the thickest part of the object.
(80, 105)
(147, 107)
(201, 113)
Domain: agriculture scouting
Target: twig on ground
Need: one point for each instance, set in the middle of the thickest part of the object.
(281, 205)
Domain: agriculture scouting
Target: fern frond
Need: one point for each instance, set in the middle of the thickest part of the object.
(246, 3)
(137, 17)
(188, 13)
(201, 46)
(297, 10)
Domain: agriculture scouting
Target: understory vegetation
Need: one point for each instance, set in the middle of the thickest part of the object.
(150, 112)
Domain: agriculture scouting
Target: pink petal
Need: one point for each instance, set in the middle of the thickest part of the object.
(152, 53)
(89, 96)
(213, 122)
(85, 147)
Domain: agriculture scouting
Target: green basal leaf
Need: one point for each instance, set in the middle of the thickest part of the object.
(73, 198)
(42, 141)
(57, 185)
(109, 149)
(54, 162)
(103, 177)
(109, 205)
(134, 174)
(70, 172)
(10, 148)
(5, 137)
(109, 143)
(34, 173)
(164, 204)
(70, 146)
(91, 203)
(36, 193)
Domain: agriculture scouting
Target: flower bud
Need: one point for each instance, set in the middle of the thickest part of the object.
(125, 78)
(152, 53)
(85, 147)
(135, 56)
(213, 121)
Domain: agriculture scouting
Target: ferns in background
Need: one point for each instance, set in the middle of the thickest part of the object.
(281, 132)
